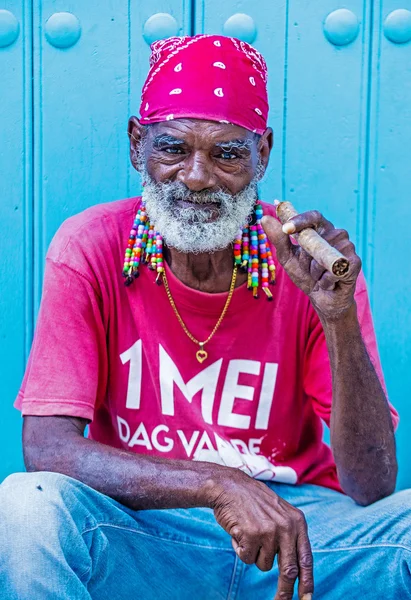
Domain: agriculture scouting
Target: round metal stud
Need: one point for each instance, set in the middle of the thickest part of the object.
(397, 26)
(341, 27)
(241, 26)
(9, 28)
(159, 27)
(62, 30)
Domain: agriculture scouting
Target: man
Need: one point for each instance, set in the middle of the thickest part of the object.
(204, 399)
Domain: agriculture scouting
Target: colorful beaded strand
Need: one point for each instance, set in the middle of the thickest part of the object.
(138, 244)
(249, 273)
(130, 268)
(159, 258)
(271, 265)
(263, 254)
(254, 260)
(237, 249)
(144, 242)
(150, 245)
(127, 267)
(245, 241)
(153, 261)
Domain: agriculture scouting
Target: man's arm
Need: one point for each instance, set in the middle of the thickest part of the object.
(362, 435)
(139, 482)
(260, 523)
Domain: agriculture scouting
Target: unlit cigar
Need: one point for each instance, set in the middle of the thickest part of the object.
(316, 246)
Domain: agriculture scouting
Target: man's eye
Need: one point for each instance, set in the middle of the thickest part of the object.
(173, 150)
(228, 155)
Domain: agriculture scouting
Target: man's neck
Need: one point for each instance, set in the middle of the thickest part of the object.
(206, 272)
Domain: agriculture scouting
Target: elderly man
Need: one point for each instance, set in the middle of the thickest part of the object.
(205, 393)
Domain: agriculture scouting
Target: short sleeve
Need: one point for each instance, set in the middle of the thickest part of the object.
(317, 370)
(66, 373)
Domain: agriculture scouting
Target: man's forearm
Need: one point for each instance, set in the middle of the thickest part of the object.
(137, 481)
(362, 436)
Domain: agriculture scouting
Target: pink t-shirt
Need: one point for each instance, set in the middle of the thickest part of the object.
(118, 356)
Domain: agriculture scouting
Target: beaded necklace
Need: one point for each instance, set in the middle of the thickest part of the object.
(252, 252)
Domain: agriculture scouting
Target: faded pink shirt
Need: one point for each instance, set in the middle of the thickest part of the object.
(118, 357)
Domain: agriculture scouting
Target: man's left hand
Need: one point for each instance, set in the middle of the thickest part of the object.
(331, 296)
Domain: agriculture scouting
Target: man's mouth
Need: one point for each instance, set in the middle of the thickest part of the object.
(208, 204)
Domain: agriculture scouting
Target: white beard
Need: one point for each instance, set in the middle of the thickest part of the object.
(193, 229)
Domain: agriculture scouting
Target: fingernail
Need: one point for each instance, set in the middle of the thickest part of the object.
(307, 597)
(289, 228)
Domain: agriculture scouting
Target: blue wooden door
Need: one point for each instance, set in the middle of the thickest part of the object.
(386, 231)
(340, 97)
(16, 240)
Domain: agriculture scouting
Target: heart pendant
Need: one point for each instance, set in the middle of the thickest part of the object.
(201, 355)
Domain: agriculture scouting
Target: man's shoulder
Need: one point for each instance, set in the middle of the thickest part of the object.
(101, 223)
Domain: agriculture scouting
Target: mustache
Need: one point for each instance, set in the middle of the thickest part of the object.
(175, 191)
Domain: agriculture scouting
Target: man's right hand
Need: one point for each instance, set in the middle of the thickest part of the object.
(261, 525)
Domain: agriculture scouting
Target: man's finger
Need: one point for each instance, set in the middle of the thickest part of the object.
(276, 236)
(266, 556)
(327, 282)
(246, 551)
(311, 218)
(288, 569)
(305, 565)
(336, 236)
(316, 270)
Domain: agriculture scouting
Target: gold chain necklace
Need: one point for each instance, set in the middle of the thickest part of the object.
(201, 354)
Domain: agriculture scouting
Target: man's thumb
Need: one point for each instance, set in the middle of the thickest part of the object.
(274, 232)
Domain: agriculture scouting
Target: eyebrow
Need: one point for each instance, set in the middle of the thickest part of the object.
(169, 140)
(238, 144)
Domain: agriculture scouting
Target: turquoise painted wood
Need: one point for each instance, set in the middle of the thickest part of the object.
(386, 232)
(340, 97)
(16, 218)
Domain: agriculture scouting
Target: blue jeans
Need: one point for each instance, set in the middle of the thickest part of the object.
(61, 540)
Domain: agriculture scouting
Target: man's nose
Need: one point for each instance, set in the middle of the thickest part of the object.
(198, 174)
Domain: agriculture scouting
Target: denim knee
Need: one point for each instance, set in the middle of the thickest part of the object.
(42, 550)
(389, 520)
(35, 504)
(41, 522)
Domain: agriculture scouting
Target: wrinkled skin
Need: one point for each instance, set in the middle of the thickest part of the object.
(263, 525)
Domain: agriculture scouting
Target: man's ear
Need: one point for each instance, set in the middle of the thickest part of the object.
(135, 131)
(265, 145)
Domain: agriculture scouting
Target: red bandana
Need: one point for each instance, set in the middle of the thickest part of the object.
(208, 77)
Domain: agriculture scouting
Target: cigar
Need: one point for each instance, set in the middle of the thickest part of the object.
(316, 246)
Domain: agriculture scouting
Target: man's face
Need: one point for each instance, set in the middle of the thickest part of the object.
(200, 179)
